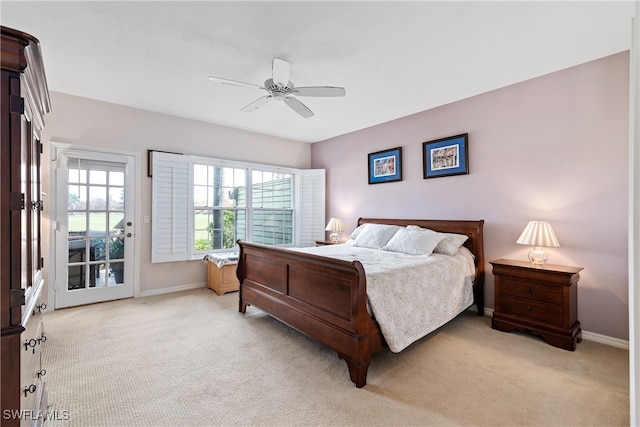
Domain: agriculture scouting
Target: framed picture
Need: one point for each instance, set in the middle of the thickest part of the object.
(446, 156)
(385, 166)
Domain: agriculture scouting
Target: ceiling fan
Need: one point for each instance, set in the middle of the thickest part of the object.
(281, 89)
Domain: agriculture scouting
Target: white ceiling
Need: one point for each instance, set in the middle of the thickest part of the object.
(394, 58)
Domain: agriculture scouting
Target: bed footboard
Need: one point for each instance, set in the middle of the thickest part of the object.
(321, 297)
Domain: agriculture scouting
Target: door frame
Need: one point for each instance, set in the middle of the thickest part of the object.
(52, 217)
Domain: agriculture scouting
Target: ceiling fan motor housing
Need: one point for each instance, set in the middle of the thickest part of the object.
(277, 90)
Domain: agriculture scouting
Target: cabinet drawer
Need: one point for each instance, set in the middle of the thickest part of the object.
(31, 340)
(530, 290)
(531, 309)
(30, 364)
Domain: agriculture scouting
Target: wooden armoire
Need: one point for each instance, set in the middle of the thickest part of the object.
(24, 100)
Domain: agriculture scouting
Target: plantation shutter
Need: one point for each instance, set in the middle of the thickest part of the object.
(171, 223)
(310, 191)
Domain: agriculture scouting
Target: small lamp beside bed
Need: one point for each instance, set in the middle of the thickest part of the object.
(334, 226)
(538, 234)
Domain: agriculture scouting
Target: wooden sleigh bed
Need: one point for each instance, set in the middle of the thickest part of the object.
(326, 298)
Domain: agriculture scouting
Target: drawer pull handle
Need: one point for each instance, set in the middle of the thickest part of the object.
(529, 290)
(41, 373)
(30, 389)
(528, 308)
(40, 308)
(30, 343)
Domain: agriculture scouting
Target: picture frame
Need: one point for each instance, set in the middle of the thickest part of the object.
(385, 166)
(446, 156)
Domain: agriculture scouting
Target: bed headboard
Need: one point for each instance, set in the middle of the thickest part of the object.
(475, 243)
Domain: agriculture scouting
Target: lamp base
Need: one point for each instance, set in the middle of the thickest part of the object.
(538, 257)
(334, 237)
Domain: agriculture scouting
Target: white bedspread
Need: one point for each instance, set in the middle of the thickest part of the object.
(410, 295)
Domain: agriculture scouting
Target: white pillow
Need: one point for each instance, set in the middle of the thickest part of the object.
(357, 231)
(449, 245)
(374, 236)
(352, 238)
(414, 241)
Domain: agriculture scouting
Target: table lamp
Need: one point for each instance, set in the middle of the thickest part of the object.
(538, 234)
(334, 226)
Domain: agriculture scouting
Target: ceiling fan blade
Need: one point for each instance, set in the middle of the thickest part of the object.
(281, 71)
(319, 91)
(257, 103)
(233, 82)
(298, 107)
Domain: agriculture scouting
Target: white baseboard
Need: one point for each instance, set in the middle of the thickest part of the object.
(591, 336)
(172, 289)
(604, 339)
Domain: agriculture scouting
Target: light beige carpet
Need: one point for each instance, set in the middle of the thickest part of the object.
(191, 359)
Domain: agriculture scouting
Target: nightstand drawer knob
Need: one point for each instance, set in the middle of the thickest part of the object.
(528, 308)
(529, 290)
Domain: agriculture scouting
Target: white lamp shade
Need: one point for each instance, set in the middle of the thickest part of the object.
(334, 225)
(538, 233)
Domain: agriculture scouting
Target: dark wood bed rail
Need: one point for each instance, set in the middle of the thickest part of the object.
(325, 298)
(321, 297)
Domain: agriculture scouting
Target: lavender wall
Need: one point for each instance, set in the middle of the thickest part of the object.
(553, 148)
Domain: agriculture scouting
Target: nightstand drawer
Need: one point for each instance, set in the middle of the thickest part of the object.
(530, 290)
(532, 310)
(543, 300)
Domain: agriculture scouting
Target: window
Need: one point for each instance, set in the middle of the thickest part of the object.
(220, 214)
(272, 206)
(283, 207)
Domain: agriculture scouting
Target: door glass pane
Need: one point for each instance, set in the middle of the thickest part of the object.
(97, 198)
(77, 223)
(96, 255)
(77, 257)
(77, 176)
(97, 249)
(97, 177)
(116, 222)
(76, 277)
(117, 273)
(77, 197)
(116, 178)
(116, 248)
(97, 223)
(116, 198)
(77, 250)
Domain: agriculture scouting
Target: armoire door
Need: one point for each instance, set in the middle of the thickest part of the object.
(30, 187)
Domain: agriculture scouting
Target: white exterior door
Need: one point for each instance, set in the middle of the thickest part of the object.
(94, 234)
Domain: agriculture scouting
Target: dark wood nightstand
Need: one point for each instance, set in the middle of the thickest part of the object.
(325, 242)
(541, 300)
